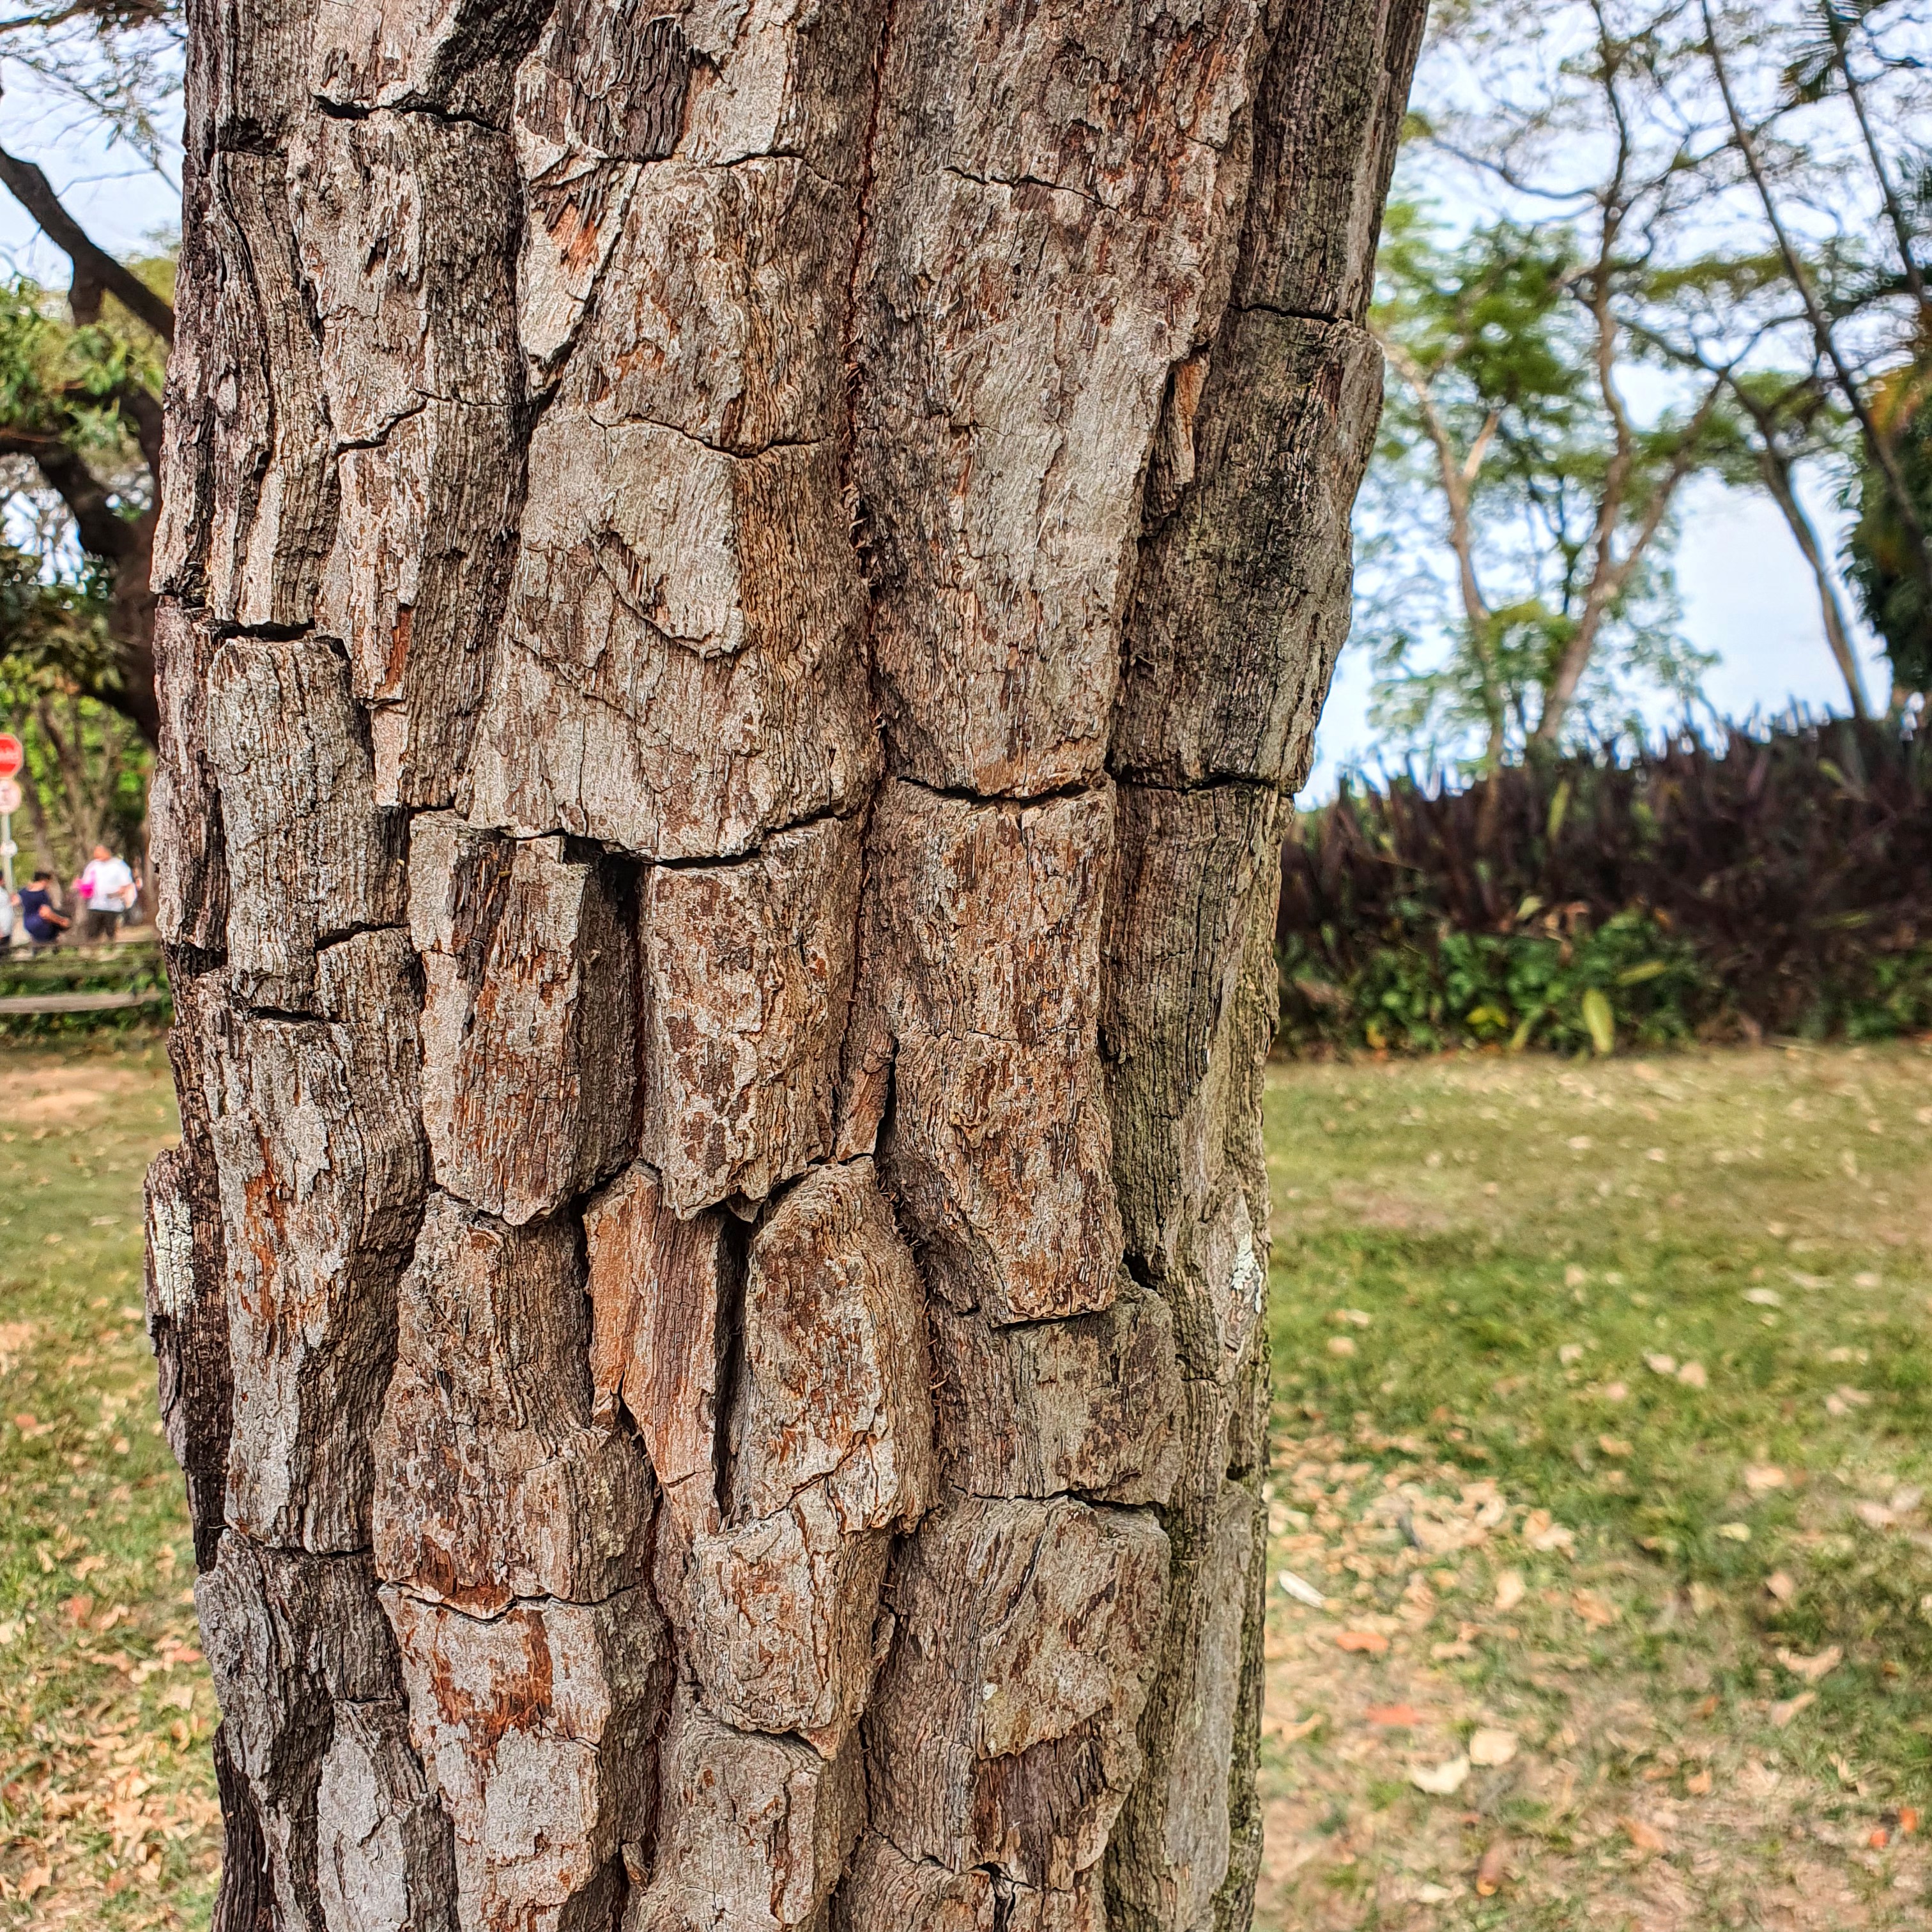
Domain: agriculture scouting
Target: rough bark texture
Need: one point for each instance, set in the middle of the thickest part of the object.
(745, 590)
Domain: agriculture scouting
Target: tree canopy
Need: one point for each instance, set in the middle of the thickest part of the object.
(1638, 242)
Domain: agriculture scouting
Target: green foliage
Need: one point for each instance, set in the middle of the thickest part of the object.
(62, 682)
(1494, 376)
(71, 384)
(1778, 884)
(1431, 987)
(1879, 557)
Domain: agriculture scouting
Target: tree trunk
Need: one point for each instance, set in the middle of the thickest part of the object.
(745, 592)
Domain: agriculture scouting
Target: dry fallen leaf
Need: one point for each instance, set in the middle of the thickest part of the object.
(35, 1878)
(1543, 1534)
(1301, 1590)
(1294, 1733)
(1615, 1392)
(1370, 1643)
(1811, 1669)
(1647, 1838)
(1780, 1587)
(1489, 1747)
(1489, 1874)
(1660, 1365)
(1341, 1345)
(1441, 1780)
(1764, 1297)
(1699, 1783)
(1761, 1477)
(1433, 1895)
(1692, 1375)
(1735, 1532)
(1510, 1589)
(1396, 1717)
(1874, 1516)
(1782, 1714)
(1593, 1610)
(1613, 1445)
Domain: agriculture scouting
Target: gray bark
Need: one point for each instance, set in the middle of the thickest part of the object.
(746, 589)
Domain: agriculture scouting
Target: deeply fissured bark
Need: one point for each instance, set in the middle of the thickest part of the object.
(745, 591)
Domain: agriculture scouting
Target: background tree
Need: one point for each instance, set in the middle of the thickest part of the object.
(80, 417)
(80, 393)
(740, 618)
(1681, 243)
(1884, 550)
(1826, 103)
(84, 778)
(1565, 132)
(1794, 426)
(1778, 424)
(1506, 421)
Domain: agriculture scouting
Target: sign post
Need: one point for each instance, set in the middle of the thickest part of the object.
(12, 755)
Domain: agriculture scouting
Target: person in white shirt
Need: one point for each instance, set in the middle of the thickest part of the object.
(108, 887)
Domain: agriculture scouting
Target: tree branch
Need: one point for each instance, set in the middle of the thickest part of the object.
(1876, 442)
(1901, 229)
(1458, 480)
(102, 530)
(95, 270)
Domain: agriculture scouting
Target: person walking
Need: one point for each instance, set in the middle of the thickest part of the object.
(108, 886)
(44, 920)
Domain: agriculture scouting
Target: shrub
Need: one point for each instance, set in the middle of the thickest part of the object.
(1778, 881)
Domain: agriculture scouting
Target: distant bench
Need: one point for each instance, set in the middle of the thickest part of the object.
(26, 1005)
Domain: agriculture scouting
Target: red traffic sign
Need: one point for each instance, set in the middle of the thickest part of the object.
(13, 755)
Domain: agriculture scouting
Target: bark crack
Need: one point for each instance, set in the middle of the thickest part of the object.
(1013, 184)
(733, 453)
(1081, 788)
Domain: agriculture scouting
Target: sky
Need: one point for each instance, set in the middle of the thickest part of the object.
(1746, 596)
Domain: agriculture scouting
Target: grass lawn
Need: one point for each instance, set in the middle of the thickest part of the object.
(1602, 1404)
(1602, 1421)
(106, 1796)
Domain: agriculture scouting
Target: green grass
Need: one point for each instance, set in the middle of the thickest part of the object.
(1538, 1248)
(106, 1795)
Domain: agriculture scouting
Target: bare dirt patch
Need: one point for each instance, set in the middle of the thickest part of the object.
(37, 1092)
